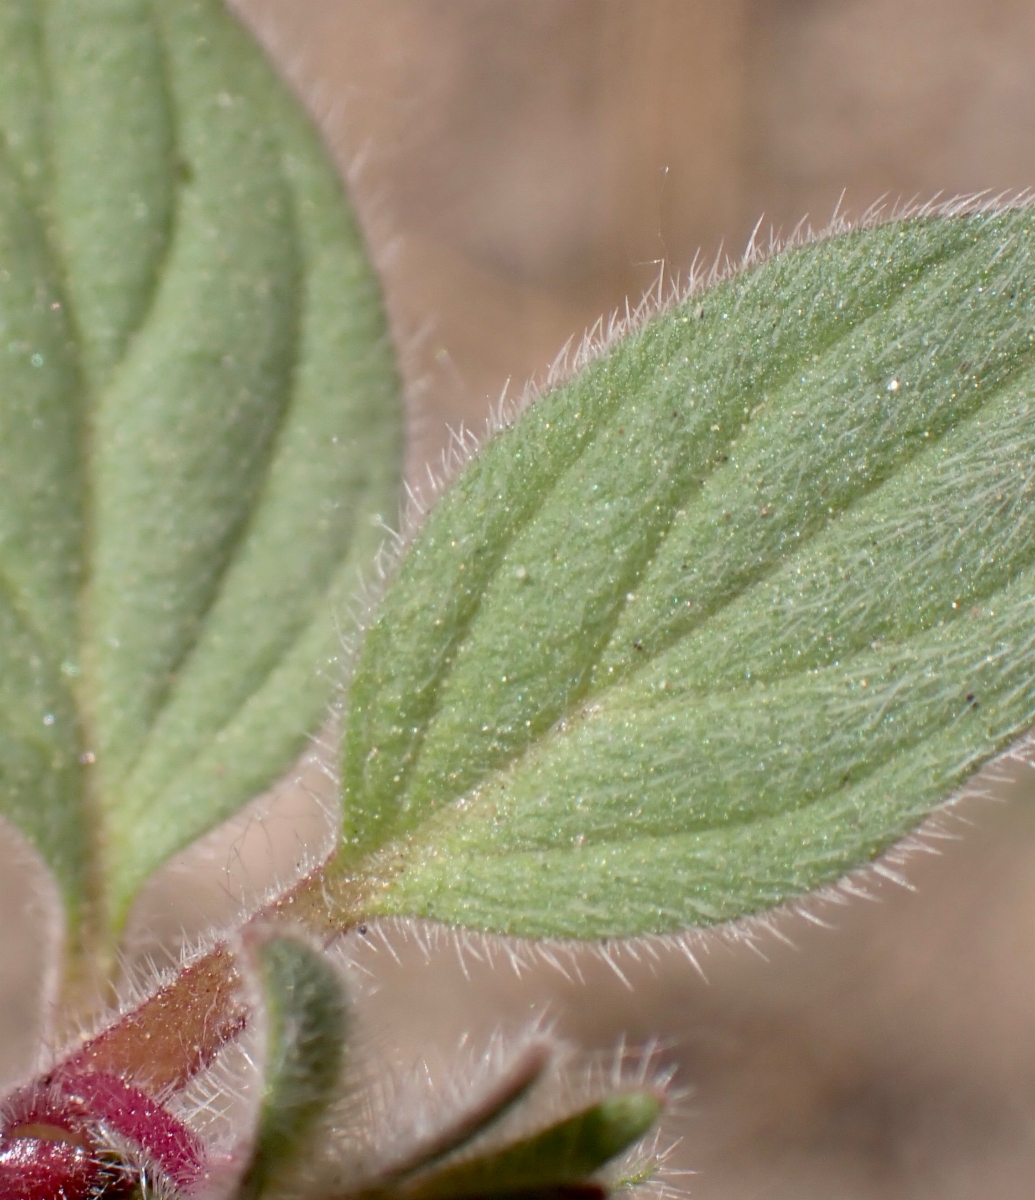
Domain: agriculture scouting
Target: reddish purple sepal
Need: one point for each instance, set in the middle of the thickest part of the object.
(31, 1169)
(139, 1119)
(80, 1104)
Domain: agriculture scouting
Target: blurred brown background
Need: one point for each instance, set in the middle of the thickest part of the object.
(523, 166)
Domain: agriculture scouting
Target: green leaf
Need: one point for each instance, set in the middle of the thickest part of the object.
(199, 423)
(567, 1152)
(725, 615)
(475, 1119)
(307, 1019)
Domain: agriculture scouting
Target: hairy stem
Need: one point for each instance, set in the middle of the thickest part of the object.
(177, 1032)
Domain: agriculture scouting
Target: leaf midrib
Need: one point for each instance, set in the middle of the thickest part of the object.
(91, 397)
(94, 402)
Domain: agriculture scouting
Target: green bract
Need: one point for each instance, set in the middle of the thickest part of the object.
(199, 420)
(726, 614)
(563, 1154)
(307, 1019)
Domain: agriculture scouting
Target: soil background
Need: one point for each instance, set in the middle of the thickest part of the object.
(522, 167)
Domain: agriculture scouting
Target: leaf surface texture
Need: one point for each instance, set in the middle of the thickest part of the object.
(199, 420)
(725, 615)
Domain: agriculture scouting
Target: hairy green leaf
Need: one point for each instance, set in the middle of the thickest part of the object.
(567, 1152)
(725, 615)
(307, 1019)
(199, 422)
(477, 1116)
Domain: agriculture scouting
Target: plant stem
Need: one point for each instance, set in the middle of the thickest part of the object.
(177, 1032)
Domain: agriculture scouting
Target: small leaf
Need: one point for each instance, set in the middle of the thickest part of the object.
(199, 424)
(477, 1116)
(566, 1153)
(307, 1019)
(725, 615)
